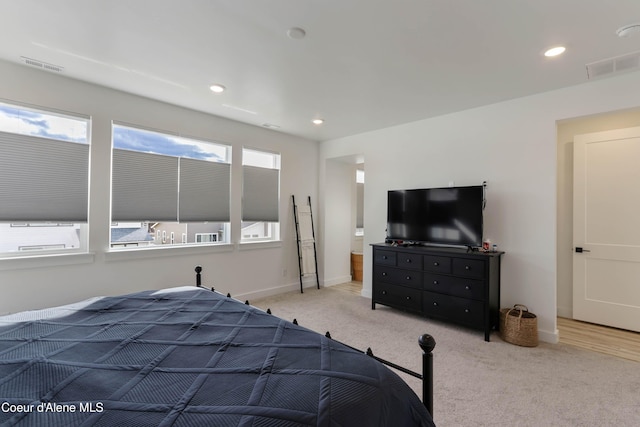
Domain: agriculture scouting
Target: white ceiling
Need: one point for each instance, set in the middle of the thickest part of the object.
(363, 65)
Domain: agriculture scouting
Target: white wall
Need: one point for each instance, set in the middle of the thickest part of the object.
(338, 217)
(513, 146)
(246, 271)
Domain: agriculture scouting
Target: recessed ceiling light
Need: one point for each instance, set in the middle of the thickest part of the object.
(317, 121)
(296, 33)
(628, 30)
(217, 88)
(555, 51)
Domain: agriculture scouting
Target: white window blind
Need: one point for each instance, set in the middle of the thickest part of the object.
(260, 194)
(160, 188)
(144, 187)
(43, 179)
(204, 191)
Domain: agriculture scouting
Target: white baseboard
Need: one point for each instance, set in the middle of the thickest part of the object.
(336, 280)
(308, 282)
(550, 337)
(367, 292)
(266, 292)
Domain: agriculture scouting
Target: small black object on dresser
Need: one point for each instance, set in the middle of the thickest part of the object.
(451, 284)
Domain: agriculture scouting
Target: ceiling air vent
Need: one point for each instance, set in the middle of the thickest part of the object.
(42, 65)
(271, 126)
(623, 63)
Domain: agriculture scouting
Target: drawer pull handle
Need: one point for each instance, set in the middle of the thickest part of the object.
(408, 277)
(384, 292)
(467, 287)
(409, 260)
(384, 273)
(466, 310)
(436, 263)
(408, 298)
(435, 304)
(466, 267)
(384, 257)
(435, 282)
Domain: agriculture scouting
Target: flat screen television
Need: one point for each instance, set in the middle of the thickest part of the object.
(449, 216)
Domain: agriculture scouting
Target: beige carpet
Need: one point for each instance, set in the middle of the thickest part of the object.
(478, 383)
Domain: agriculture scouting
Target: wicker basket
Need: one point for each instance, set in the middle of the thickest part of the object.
(519, 326)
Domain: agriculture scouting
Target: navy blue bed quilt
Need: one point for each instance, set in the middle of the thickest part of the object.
(188, 357)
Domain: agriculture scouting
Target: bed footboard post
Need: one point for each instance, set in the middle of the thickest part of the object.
(427, 344)
(198, 276)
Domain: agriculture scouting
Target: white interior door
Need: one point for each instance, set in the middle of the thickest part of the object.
(606, 227)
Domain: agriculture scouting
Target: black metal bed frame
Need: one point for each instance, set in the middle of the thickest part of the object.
(426, 342)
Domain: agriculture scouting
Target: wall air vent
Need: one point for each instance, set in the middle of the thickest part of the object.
(42, 65)
(619, 64)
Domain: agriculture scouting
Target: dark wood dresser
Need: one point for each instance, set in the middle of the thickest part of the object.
(450, 284)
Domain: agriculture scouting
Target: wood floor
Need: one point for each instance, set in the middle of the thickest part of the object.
(351, 287)
(602, 339)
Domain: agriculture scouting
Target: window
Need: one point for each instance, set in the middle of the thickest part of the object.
(165, 185)
(206, 237)
(44, 181)
(260, 196)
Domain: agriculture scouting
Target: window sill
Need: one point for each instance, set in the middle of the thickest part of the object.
(156, 252)
(46, 260)
(259, 245)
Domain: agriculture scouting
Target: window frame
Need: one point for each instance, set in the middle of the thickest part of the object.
(272, 228)
(57, 126)
(166, 242)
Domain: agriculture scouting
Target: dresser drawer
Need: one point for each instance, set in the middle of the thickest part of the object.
(457, 286)
(410, 278)
(437, 264)
(460, 310)
(409, 260)
(398, 296)
(384, 257)
(468, 267)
